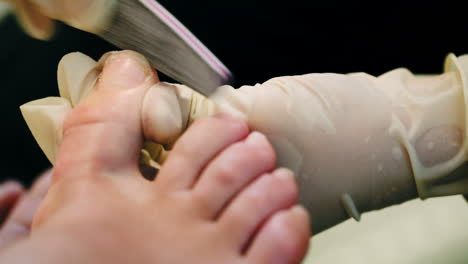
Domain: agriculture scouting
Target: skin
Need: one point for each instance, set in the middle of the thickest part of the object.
(225, 204)
(10, 193)
(18, 208)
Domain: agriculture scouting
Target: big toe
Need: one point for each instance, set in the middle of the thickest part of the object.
(104, 130)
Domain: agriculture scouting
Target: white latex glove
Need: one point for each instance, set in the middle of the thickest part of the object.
(356, 142)
(36, 16)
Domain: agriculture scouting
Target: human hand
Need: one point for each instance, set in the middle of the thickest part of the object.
(217, 198)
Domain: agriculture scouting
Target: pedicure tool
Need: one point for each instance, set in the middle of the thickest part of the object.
(147, 27)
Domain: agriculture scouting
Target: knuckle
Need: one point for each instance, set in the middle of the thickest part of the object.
(80, 115)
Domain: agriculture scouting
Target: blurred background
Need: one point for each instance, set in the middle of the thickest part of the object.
(261, 39)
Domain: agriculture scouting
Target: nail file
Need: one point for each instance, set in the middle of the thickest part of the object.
(147, 27)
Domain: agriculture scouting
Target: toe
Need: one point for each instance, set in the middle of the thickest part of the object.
(204, 140)
(19, 222)
(283, 239)
(231, 171)
(252, 207)
(104, 130)
(10, 192)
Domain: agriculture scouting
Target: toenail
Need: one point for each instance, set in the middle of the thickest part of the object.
(256, 139)
(299, 210)
(284, 174)
(124, 71)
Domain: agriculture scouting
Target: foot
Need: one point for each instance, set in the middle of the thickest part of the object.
(217, 199)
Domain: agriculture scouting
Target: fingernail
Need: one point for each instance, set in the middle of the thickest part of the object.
(256, 138)
(124, 70)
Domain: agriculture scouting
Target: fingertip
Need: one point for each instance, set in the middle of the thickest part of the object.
(162, 118)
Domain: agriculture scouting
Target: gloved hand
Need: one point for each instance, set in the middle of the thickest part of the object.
(36, 16)
(356, 142)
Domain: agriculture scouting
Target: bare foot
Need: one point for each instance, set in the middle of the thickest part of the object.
(226, 203)
(217, 198)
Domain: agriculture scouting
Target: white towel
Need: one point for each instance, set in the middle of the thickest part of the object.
(433, 231)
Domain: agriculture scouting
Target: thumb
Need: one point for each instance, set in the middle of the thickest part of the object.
(168, 110)
(104, 131)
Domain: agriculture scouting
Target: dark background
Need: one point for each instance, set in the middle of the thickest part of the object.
(256, 39)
